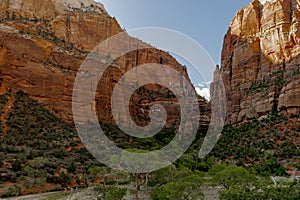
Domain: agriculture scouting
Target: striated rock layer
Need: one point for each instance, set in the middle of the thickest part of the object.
(261, 60)
(43, 44)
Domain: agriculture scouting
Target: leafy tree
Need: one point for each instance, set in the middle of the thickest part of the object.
(162, 176)
(115, 193)
(188, 160)
(177, 190)
(139, 177)
(179, 183)
(64, 179)
(112, 192)
(17, 165)
(206, 163)
(106, 173)
(72, 167)
(232, 175)
(270, 167)
(103, 172)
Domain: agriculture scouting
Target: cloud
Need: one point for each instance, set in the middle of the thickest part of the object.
(202, 88)
(204, 92)
(265, 1)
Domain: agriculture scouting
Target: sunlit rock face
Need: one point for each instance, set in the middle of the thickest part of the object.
(43, 44)
(50, 8)
(260, 60)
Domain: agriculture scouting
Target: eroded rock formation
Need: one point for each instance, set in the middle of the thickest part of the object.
(260, 60)
(43, 44)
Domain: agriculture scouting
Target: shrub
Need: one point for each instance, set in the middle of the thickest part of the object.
(17, 165)
(177, 190)
(115, 193)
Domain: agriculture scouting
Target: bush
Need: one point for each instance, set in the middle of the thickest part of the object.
(115, 193)
(17, 165)
(12, 191)
(270, 167)
(179, 183)
(177, 190)
(64, 179)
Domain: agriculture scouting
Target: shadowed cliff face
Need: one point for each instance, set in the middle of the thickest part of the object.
(260, 60)
(43, 44)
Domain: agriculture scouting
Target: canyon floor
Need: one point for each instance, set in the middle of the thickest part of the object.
(89, 194)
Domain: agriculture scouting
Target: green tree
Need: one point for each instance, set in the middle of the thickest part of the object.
(115, 193)
(177, 190)
(231, 175)
(162, 176)
(64, 179)
(103, 172)
(179, 183)
(17, 165)
(140, 178)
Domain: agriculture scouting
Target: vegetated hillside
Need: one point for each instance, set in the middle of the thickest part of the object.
(260, 70)
(271, 145)
(40, 152)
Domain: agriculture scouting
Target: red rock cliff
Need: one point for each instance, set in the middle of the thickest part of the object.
(43, 43)
(260, 60)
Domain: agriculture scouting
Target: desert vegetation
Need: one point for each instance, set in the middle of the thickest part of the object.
(40, 152)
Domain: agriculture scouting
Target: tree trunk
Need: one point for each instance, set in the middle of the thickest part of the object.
(137, 186)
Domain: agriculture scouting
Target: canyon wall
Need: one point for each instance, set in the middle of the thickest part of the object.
(43, 44)
(260, 60)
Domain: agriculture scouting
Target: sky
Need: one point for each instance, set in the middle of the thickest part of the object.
(205, 21)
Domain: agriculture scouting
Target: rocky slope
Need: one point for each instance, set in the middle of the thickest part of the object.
(43, 43)
(260, 60)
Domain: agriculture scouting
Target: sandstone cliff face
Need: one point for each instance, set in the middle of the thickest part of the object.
(43, 43)
(260, 60)
(50, 8)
